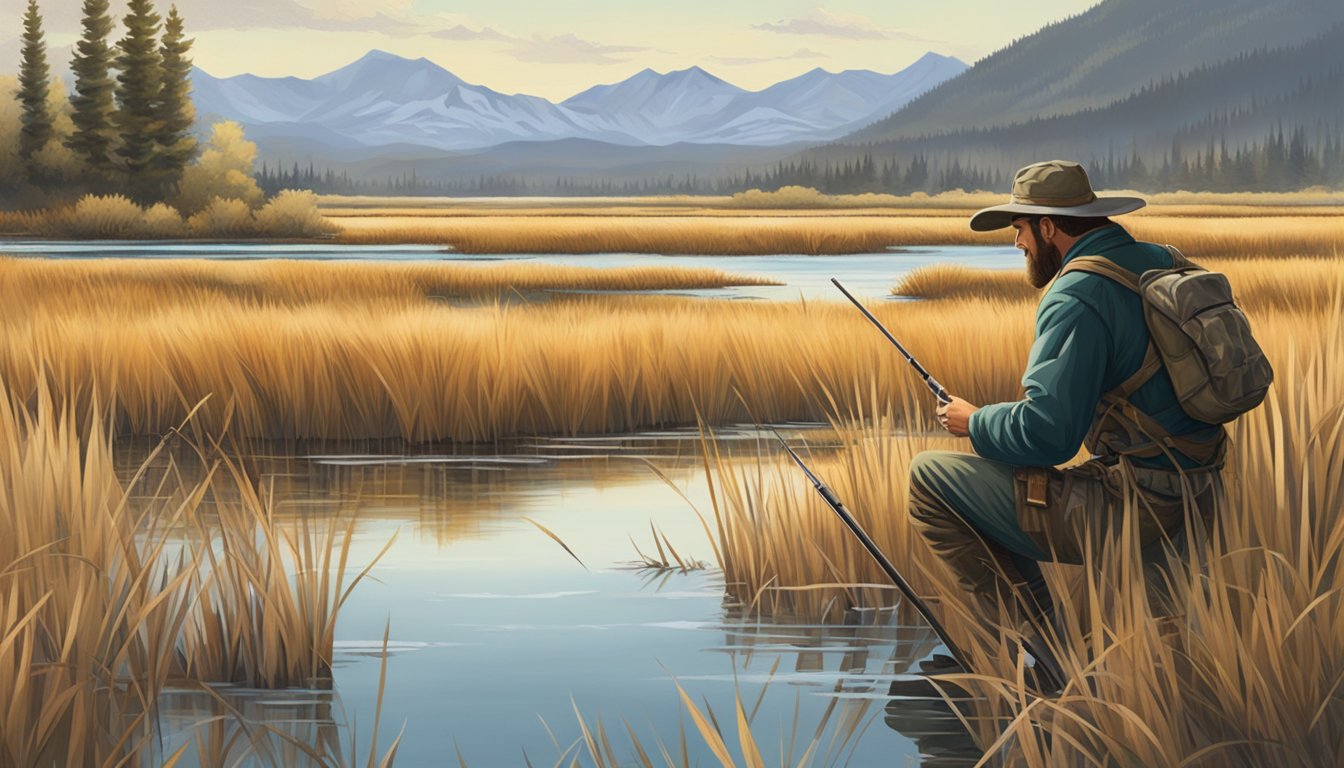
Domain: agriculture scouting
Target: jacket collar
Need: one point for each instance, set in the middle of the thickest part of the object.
(1099, 241)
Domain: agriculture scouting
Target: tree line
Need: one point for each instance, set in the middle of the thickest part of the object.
(131, 110)
(1286, 159)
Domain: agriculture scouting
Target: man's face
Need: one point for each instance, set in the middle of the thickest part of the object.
(1043, 257)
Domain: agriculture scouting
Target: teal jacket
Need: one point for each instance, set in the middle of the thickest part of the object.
(1090, 337)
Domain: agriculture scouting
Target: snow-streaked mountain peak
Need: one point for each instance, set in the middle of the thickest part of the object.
(382, 99)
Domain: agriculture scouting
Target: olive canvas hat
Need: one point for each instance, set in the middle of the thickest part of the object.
(1055, 187)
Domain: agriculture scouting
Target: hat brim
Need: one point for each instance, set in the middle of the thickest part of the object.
(1001, 216)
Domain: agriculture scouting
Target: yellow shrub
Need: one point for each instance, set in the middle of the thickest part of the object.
(293, 213)
(162, 220)
(223, 218)
(224, 170)
(108, 216)
(784, 197)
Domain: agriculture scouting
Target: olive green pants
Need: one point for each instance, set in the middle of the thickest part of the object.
(994, 526)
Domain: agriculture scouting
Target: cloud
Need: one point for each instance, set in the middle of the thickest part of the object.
(847, 26)
(571, 49)
(462, 32)
(801, 53)
(391, 17)
(207, 15)
(358, 9)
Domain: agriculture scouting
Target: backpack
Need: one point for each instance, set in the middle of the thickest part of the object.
(1198, 333)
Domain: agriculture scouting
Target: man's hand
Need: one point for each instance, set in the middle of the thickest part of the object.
(956, 416)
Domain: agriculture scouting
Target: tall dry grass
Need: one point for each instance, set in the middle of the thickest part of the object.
(1245, 672)
(953, 281)
(125, 283)
(291, 214)
(951, 200)
(809, 198)
(270, 593)
(105, 601)
(764, 233)
(421, 370)
(731, 738)
(1305, 285)
(1200, 232)
(360, 351)
(91, 600)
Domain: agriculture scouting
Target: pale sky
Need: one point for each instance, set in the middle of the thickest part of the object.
(555, 49)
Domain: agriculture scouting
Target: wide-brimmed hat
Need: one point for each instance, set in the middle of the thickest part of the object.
(1056, 187)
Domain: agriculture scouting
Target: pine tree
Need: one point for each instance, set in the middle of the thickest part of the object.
(174, 109)
(93, 101)
(138, 88)
(34, 86)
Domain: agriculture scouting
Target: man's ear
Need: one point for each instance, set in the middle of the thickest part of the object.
(1047, 228)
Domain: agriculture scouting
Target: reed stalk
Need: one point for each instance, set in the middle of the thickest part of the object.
(1199, 231)
(91, 599)
(105, 600)
(298, 351)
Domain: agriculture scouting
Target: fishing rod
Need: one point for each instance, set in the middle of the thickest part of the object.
(882, 561)
(939, 391)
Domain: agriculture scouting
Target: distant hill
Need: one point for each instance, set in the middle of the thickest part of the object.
(1197, 94)
(1106, 53)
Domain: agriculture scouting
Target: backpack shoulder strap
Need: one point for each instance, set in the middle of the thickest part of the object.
(1098, 265)
(1152, 361)
(1178, 259)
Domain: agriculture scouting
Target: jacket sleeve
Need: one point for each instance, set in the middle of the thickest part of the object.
(1063, 383)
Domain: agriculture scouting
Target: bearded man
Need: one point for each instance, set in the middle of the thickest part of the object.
(1092, 378)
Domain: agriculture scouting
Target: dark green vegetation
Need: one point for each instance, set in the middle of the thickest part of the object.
(119, 157)
(33, 89)
(94, 99)
(130, 132)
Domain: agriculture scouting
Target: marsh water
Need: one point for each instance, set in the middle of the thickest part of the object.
(800, 276)
(497, 635)
(500, 640)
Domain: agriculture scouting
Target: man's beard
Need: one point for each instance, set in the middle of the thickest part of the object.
(1043, 267)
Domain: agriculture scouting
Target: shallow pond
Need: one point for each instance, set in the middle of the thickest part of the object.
(497, 634)
(865, 274)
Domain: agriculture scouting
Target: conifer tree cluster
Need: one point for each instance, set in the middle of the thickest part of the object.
(131, 107)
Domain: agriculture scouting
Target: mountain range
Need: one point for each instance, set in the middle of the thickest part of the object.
(386, 100)
(1146, 91)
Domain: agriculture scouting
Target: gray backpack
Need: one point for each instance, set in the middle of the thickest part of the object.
(1198, 333)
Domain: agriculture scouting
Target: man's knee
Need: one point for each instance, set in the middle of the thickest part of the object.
(928, 476)
(928, 468)
(935, 471)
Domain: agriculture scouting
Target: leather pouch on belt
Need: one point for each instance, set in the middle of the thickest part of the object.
(1037, 486)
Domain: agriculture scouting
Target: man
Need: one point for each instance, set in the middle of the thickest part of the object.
(993, 516)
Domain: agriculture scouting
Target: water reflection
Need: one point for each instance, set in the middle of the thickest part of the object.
(937, 731)
(458, 491)
(854, 664)
(495, 629)
(222, 726)
(868, 275)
